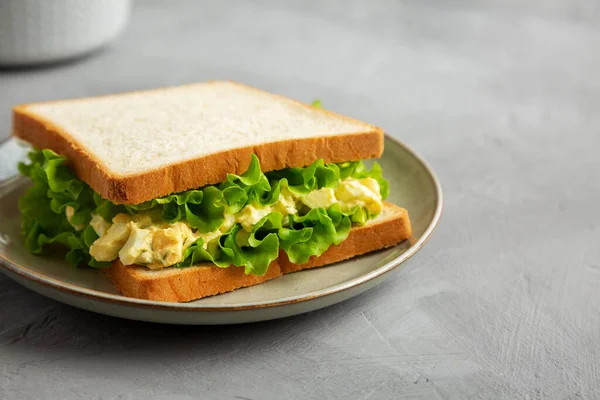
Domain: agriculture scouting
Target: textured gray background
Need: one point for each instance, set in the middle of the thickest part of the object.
(501, 97)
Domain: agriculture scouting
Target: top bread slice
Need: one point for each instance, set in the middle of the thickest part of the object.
(137, 146)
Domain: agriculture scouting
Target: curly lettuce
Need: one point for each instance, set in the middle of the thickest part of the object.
(43, 208)
(55, 187)
(311, 234)
(253, 250)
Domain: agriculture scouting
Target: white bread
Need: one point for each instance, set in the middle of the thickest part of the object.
(180, 285)
(137, 146)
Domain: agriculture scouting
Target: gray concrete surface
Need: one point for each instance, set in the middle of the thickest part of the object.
(502, 97)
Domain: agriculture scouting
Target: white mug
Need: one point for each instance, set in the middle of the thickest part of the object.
(45, 31)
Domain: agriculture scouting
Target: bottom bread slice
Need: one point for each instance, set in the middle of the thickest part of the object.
(391, 227)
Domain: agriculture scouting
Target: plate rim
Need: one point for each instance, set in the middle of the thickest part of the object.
(119, 299)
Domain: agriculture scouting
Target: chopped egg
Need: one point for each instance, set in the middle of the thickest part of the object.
(362, 193)
(372, 184)
(99, 224)
(136, 239)
(70, 212)
(137, 248)
(106, 248)
(168, 244)
(228, 223)
(209, 237)
(286, 204)
(323, 197)
(251, 214)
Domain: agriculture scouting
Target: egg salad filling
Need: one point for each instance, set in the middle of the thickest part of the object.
(244, 221)
(145, 239)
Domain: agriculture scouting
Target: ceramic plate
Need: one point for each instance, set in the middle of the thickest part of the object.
(413, 186)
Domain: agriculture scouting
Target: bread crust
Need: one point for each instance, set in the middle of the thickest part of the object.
(183, 284)
(186, 284)
(181, 176)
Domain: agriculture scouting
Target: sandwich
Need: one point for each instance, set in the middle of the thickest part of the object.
(185, 192)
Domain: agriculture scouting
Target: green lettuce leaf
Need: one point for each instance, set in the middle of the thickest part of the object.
(313, 233)
(301, 181)
(201, 208)
(55, 188)
(250, 187)
(107, 209)
(253, 250)
(204, 208)
(43, 206)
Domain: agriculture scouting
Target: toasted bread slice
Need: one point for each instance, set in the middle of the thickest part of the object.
(183, 284)
(137, 146)
(180, 285)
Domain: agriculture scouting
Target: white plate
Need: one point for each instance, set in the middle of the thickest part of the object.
(413, 185)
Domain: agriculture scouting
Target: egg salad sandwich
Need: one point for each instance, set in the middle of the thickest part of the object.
(185, 192)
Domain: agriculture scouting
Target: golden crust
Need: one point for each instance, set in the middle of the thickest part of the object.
(178, 177)
(186, 284)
